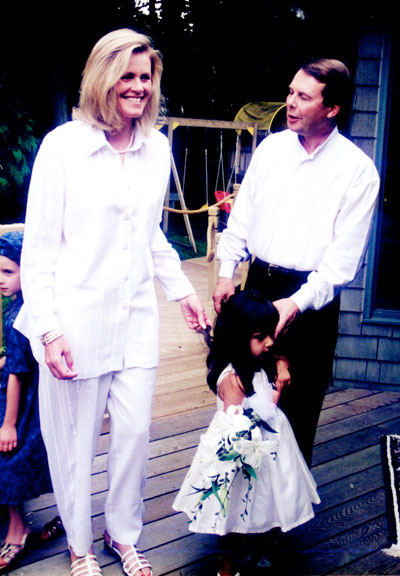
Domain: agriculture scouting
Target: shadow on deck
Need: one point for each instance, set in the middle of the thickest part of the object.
(349, 530)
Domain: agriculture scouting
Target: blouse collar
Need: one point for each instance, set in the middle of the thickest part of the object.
(97, 140)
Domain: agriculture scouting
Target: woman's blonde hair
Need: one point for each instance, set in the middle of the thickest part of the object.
(106, 64)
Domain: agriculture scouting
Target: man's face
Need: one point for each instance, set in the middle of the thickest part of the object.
(306, 113)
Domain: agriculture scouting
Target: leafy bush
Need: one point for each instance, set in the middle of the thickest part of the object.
(18, 147)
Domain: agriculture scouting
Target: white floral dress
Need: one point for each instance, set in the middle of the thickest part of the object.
(248, 474)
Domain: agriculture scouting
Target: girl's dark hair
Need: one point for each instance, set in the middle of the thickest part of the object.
(245, 313)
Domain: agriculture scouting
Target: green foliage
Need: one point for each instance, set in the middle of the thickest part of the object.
(183, 247)
(18, 147)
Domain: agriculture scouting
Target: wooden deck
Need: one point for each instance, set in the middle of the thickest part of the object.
(349, 530)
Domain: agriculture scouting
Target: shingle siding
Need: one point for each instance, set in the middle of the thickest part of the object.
(367, 354)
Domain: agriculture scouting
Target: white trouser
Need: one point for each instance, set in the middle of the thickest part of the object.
(71, 413)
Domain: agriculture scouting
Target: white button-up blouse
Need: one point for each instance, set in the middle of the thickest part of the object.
(92, 246)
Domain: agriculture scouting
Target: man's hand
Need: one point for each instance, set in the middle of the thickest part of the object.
(58, 358)
(288, 311)
(224, 289)
(193, 312)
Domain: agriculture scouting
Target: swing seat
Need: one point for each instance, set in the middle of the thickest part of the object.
(226, 206)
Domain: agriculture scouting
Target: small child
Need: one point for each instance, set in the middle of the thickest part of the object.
(248, 475)
(24, 472)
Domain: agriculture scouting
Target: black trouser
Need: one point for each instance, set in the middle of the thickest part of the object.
(309, 344)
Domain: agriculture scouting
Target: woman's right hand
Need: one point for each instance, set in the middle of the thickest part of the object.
(59, 360)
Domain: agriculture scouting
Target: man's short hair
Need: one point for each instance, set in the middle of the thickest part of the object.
(336, 77)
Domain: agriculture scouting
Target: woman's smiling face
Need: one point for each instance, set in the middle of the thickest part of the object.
(135, 86)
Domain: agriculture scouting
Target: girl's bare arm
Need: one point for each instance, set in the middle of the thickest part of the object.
(231, 391)
(8, 431)
(282, 372)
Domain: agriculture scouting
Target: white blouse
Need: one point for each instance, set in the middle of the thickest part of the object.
(304, 212)
(92, 246)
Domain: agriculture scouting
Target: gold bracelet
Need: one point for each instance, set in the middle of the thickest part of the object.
(50, 336)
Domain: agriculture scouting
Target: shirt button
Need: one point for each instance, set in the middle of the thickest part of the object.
(125, 305)
(126, 215)
(125, 277)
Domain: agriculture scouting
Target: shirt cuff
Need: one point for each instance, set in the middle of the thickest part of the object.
(303, 298)
(227, 268)
(185, 288)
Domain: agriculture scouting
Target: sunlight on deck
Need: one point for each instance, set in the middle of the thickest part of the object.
(181, 382)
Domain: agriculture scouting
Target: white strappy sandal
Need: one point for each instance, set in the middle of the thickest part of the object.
(86, 566)
(133, 560)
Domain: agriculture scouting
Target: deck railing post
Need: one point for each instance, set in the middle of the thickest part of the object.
(212, 242)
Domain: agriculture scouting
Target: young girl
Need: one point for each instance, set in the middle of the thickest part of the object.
(248, 475)
(24, 472)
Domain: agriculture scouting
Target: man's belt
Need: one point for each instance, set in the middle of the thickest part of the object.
(274, 270)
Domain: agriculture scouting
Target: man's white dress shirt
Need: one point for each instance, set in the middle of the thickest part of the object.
(92, 246)
(309, 212)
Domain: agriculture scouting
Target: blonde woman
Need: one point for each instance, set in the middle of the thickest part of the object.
(92, 246)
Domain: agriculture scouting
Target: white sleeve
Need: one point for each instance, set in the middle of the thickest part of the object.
(167, 268)
(42, 236)
(343, 258)
(166, 262)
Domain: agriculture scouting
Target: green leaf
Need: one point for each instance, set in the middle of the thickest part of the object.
(16, 152)
(207, 493)
(4, 184)
(215, 493)
(4, 130)
(230, 456)
(249, 470)
(17, 175)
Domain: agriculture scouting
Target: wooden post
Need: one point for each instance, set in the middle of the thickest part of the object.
(173, 122)
(212, 242)
(183, 204)
(166, 200)
(236, 188)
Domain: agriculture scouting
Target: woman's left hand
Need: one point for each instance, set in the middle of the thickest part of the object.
(194, 313)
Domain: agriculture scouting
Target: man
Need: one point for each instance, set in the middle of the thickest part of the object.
(304, 212)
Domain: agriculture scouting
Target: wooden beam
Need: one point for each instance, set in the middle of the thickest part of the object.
(203, 123)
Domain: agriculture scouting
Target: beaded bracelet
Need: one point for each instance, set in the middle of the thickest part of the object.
(50, 336)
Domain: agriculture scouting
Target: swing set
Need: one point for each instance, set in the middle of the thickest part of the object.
(223, 198)
(252, 118)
